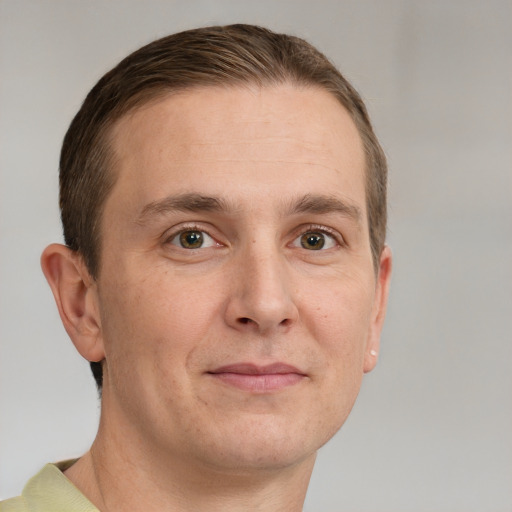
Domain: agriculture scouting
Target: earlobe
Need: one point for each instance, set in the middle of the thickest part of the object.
(75, 293)
(378, 310)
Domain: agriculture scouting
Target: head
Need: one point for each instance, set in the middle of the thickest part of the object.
(223, 201)
(237, 55)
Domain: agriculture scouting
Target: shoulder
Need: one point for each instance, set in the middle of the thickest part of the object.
(48, 491)
(14, 505)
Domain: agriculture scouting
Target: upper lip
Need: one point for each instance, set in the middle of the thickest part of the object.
(255, 369)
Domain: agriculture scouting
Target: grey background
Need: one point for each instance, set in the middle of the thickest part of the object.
(432, 429)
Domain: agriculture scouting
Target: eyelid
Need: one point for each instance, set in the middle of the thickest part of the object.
(172, 233)
(319, 228)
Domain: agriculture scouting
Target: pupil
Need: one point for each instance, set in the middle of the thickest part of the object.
(191, 239)
(313, 241)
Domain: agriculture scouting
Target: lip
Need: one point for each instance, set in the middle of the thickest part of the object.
(258, 378)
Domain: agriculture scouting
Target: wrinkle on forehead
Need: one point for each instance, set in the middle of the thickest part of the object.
(194, 202)
(196, 121)
(176, 143)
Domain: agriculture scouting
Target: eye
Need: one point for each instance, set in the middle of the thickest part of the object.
(315, 241)
(193, 239)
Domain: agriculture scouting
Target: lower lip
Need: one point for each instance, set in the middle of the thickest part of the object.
(257, 383)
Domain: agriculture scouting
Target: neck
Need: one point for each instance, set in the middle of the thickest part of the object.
(122, 473)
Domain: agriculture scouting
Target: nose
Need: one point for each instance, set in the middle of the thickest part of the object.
(261, 299)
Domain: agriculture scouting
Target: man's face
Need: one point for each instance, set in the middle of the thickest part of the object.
(237, 293)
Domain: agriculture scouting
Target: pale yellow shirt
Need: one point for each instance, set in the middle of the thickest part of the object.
(49, 491)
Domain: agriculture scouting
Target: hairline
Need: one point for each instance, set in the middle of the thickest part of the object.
(145, 98)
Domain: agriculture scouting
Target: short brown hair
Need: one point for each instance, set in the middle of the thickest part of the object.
(212, 56)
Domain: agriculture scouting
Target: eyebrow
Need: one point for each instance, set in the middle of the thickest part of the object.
(193, 202)
(322, 204)
(183, 203)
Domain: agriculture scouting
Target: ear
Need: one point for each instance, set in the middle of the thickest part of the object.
(75, 293)
(379, 310)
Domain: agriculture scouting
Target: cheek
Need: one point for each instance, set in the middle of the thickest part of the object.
(343, 310)
(342, 336)
(338, 319)
(154, 320)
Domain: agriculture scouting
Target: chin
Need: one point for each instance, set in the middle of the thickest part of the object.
(262, 447)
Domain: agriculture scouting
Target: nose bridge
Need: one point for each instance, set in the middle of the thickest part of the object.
(262, 297)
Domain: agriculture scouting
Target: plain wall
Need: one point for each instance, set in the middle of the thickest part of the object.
(432, 429)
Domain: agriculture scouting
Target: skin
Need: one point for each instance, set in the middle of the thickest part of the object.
(184, 419)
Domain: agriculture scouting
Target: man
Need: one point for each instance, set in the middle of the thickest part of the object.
(223, 198)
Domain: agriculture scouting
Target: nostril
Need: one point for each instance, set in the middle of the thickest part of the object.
(245, 321)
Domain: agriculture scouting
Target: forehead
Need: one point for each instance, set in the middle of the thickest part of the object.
(308, 111)
(211, 136)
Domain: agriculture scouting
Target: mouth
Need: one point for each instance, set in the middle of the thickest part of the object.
(258, 379)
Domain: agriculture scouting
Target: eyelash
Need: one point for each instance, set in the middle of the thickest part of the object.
(187, 228)
(310, 228)
(316, 228)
